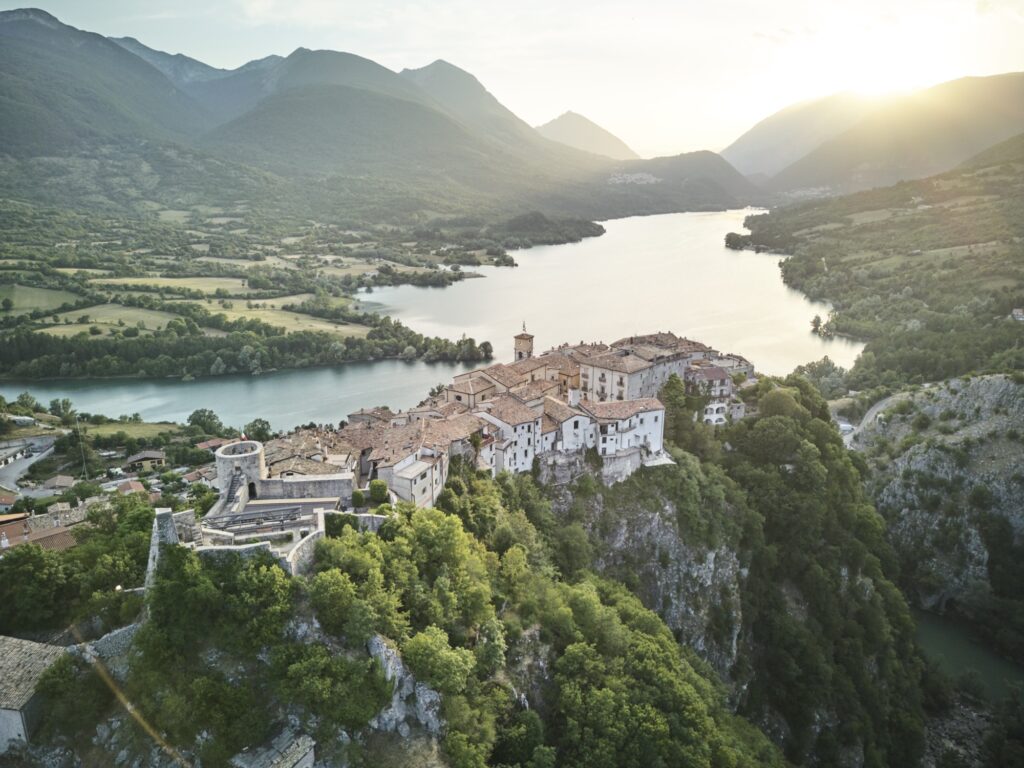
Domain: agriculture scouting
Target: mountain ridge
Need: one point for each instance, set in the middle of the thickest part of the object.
(575, 130)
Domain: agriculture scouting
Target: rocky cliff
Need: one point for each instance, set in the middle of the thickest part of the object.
(948, 475)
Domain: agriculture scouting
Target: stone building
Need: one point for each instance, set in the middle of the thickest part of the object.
(22, 664)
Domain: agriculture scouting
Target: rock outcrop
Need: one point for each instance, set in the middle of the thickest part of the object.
(413, 704)
(949, 460)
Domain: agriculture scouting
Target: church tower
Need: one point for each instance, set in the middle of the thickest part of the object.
(524, 344)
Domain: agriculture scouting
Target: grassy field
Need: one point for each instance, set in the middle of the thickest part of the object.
(289, 321)
(84, 270)
(270, 261)
(132, 429)
(110, 314)
(26, 298)
(232, 285)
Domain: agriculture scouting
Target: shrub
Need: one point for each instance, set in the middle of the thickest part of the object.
(358, 498)
(378, 492)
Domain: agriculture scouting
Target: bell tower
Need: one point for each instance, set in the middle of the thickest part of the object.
(523, 344)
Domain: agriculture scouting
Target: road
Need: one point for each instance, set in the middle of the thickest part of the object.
(42, 447)
(872, 414)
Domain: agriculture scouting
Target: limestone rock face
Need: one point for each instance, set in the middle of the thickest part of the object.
(413, 704)
(959, 459)
(694, 588)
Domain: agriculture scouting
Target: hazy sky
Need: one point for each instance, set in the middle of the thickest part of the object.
(665, 75)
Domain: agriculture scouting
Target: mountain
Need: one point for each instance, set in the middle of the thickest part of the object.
(124, 125)
(789, 134)
(918, 135)
(462, 96)
(63, 89)
(242, 89)
(575, 130)
(178, 68)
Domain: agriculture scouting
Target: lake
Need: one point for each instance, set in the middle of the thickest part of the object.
(951, 644)
(669, 272)
(646, 273)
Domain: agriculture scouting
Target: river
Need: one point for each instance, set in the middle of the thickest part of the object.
(669, 272)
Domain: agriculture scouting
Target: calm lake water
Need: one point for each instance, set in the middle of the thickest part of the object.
(651, 273)
(955, 649)
(647, 273)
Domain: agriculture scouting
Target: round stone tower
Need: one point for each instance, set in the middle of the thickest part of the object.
(240, 463)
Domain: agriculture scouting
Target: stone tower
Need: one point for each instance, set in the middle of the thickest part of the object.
(524, 344)
(243, 460)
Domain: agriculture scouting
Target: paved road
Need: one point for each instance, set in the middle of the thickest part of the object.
(42, 447)
(872, 414)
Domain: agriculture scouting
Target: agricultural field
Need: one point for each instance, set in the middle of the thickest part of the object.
(132, 429)
(27, 298)
(287, 321)
(232, 285)
(116, 315)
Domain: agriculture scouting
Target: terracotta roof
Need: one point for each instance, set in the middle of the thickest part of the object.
(452, 409)
(60, 481)
(619, 363)
(707, 372)
(382, 413)
(527, 365)
(581, 351)
(559, 411)
(471, 386)
(534, 389)
(56, 539)
(22, 663)
(510, 410)
(131, 486)
(620, 410)
(213, 443)
(503, 374)
(441, 433)
(13, 517)
(524, 335)
(547, 425)
(561, 362)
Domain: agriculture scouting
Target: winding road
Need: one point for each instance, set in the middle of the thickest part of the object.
(872, 414)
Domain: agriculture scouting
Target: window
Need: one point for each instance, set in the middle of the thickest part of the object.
(655, 419)
(459, 398)
(575, 423)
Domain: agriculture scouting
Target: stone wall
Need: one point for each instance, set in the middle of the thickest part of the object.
(163, 534)
(300, 559)
(218, 555)
(303, 487)
(617, 468)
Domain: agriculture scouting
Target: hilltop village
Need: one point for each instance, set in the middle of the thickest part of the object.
(536, 413)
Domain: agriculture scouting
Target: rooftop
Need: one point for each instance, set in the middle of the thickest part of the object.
(619, 362)
(146, 456)
(510, 410)
(620, 410)
(22, 663)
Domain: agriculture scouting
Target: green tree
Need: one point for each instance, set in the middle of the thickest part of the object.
(434, 661)
(207, 421)
(378, 492)
(258, 429)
